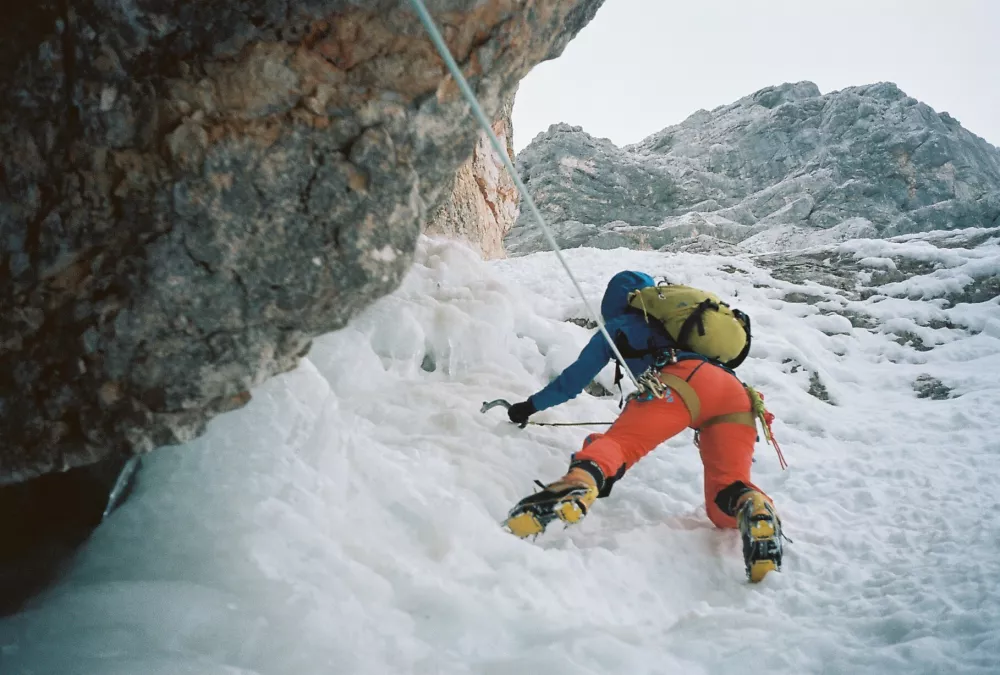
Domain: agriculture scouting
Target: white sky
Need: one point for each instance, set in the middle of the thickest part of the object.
(642, 65)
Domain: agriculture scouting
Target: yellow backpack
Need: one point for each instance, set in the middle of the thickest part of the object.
(697, 321)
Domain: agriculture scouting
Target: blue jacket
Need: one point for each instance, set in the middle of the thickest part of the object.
(623, 324)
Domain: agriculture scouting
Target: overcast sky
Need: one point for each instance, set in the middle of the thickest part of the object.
(642, 65)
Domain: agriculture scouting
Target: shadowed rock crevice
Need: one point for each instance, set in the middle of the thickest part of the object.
(45, 519)
(484, 201)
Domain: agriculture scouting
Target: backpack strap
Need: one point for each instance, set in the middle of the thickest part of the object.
(741, 357)
(626, 350)
(695, 319)
(630, 352)
(618, 383)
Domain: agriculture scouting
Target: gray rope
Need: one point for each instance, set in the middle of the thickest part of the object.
(477, 111)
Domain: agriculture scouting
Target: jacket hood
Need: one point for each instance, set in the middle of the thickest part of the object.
(615, 301)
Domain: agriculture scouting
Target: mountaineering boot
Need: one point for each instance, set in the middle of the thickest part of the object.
(760, 529)
(567, 499)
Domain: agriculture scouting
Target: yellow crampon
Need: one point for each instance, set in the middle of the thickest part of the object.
(529, 522)
(760, 530)
(566, 500)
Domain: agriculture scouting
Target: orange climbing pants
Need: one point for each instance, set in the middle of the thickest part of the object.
(701, 396)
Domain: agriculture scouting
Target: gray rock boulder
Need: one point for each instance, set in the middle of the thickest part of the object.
(191, 191)
(783, 158)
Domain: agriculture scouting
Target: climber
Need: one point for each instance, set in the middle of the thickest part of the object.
(690, 389)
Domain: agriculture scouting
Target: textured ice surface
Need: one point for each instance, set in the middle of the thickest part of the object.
(346, 521)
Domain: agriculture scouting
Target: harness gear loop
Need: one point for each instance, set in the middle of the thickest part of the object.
(649, 386)
(765, 417)
(695, 320)
(664, 357)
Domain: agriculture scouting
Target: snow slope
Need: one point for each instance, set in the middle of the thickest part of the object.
(346, 521)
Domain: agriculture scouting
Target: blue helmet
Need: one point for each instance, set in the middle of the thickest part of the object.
(615, 301)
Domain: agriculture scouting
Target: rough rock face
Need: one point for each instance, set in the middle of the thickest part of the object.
(190, 191)
(784, 167)
(484, 200)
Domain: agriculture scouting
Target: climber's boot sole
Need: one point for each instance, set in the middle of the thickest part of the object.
(534, 513)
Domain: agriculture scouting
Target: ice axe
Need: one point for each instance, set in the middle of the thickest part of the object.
(488, 405)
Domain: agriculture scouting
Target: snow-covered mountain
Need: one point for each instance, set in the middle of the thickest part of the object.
(347, 519)
(785, 165)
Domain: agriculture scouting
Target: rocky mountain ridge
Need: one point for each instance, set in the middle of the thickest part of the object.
(784, 167)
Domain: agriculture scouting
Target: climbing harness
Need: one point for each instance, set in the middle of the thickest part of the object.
(501, 151)
(650, 386)
(487, 405)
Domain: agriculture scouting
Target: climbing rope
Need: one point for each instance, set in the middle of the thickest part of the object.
(484, 123)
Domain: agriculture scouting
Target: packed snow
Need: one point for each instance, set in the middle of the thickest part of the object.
(348, 519)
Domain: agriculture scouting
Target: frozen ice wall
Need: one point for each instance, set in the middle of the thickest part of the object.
(347, 520)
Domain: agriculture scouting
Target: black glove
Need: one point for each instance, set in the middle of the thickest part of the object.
(520, 412)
